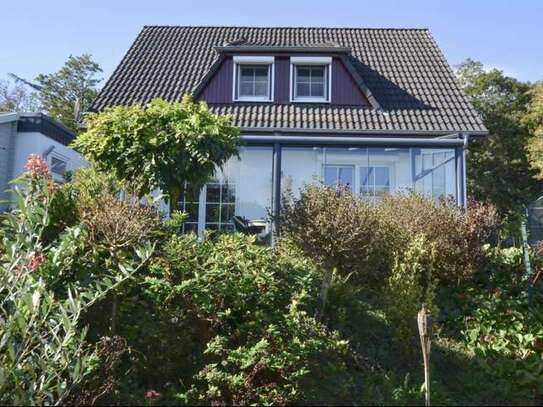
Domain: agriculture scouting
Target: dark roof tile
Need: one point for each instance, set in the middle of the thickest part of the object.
(403, 68)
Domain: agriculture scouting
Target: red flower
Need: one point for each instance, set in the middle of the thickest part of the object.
(36, 166)
(36, 261)
(152, 394)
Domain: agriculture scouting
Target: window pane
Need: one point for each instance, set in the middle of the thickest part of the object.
(346, 176)
(228, 193)
(311, 81)
(246, 89)
(261, 73)
(246, 73)
(190, 227)
(302, 89)
(382, 176)
(192, 211)
(213, 193)
(317, 73)
(254, 81)
(261, 89)
(227, 212)
(330, 176)
(317, 90)
(212, 212)
(303, 74)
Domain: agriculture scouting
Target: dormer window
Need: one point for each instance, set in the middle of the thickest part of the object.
(253, 78)
(310, 79)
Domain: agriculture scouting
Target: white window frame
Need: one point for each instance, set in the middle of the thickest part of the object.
(372, 192)
(66, 160)
(253, 60)
(319, 61)
(337, 167)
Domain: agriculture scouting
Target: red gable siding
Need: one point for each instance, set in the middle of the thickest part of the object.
(345, 91)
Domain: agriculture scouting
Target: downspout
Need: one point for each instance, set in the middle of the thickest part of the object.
(464, 171)
(276, 195)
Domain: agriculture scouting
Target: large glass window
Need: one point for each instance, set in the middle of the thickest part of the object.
(253, 82)
(434, 172)
(243, 187)
(372, 172)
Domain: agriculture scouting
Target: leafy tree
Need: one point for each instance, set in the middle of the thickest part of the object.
(65, 94)
(159, 145)
(534, 121)
(16, 98)
(498, 165)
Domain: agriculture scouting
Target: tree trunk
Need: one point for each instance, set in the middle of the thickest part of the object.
(175, 194)
(325, 287)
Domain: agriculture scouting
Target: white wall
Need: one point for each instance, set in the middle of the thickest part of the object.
(37, 143)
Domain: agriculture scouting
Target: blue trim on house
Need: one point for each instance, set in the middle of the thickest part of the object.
(41, 123)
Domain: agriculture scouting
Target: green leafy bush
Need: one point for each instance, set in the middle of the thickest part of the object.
(458, 235)
(504, 327)
(249, 306)
(43, 353)
(339, 230)
(409, 286)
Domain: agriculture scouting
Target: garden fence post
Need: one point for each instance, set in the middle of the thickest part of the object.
(424, 322)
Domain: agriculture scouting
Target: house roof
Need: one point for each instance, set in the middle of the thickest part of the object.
(402, 68)
(40, 123)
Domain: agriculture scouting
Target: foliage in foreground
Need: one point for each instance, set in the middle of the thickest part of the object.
(224, 321)
(159, 145)
(44, 355)
(250, 307)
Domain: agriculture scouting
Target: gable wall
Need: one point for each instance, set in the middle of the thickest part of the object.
(345, 91)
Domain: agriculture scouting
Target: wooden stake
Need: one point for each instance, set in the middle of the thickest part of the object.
(424, 322)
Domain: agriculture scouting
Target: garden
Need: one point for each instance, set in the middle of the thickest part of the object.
(104, 302)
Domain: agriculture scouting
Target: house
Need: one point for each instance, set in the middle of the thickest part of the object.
(377, 110)
(22, 134)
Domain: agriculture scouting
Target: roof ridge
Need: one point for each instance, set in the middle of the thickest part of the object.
(291, 27)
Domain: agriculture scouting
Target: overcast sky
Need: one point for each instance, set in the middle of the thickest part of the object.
(37, 36)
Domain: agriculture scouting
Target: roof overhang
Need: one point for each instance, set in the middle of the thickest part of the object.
(39, 123)
(435, 142)
(8, 117)
(360, 132)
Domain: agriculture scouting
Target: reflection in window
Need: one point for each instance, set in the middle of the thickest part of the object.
(220, 206)
(374, 181)
(190, 204)
(58, 166)
(435, 173)
(339, 176)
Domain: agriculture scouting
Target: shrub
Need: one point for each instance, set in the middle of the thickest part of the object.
(43, 353)
(409, 286)
(340, 232)
(458, 235)
(249, 307)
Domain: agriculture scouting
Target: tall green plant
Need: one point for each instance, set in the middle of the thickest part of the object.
(43, 353)
(159, 145)
(409, 286)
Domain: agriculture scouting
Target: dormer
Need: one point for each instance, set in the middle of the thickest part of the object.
(258, 74)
